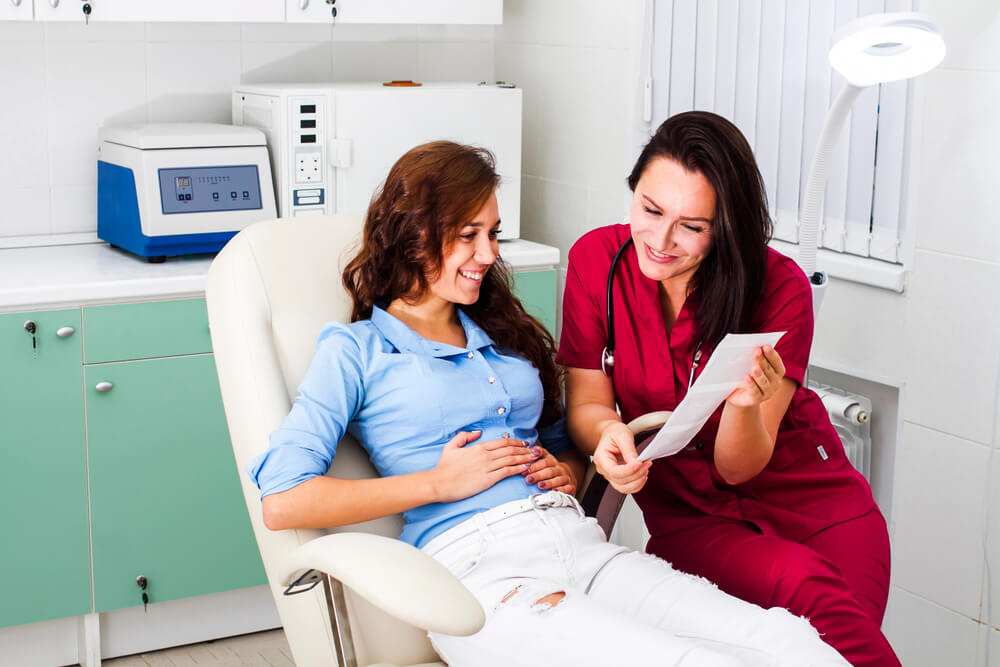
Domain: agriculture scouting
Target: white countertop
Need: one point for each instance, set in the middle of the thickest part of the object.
(47, 277)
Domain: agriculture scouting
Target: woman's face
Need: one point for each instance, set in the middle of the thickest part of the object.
(671, 220)
(468, 258)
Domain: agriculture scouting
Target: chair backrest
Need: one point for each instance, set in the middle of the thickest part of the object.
(269, 292)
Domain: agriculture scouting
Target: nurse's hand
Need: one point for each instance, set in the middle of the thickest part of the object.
(465, 471)
(762, 382)
(549, 473)
(616, 459)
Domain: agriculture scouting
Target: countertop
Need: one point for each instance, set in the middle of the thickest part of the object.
(49, 277)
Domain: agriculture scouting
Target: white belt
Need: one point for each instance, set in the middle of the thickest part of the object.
(539, 501)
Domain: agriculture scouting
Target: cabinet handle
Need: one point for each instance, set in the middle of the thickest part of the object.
(303, 4)
(103, 386)
(53, 3)
(16, 3)
(65, 332)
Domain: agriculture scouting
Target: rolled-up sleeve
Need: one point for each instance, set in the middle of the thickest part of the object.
(329, 397)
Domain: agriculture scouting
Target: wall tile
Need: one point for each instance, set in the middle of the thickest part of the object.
(991, 635)
(861, 327)
(25, 211)
(74, 208)
(960, 140)
(21, 31)
(555, 135)
(937, 544)
(371, 61)
(23, 130)
(993, 549)
(971, 30)
(191, 81)
(368, 32)
(291, 62)
(286, 32)
(456, 33)
(192, 32)
(606, 87)
(455, 61)
(98, 31)
(606, 206)
(924, 634)
(552, 212)
(950, 350)
(89, 84)
(567, 22)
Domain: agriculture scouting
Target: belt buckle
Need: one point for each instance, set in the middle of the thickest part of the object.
(542, 501)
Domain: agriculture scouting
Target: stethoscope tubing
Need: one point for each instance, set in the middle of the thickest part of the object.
(608, 354)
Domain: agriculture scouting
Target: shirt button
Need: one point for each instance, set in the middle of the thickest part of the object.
(505, 435)
(699, 446)
(470, 355)
(492, 380)
(500, 411)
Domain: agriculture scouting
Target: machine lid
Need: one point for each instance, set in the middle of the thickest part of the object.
(152, 136)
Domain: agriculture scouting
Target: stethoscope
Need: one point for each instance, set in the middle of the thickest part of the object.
(608, 354)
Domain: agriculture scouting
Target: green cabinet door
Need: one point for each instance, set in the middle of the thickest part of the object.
(44, 541)
(537, 292)
(165, 498)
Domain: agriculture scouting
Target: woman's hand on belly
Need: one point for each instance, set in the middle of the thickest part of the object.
(617, 461)
(464, 471)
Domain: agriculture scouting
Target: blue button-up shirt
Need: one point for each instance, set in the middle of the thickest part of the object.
(403, 397)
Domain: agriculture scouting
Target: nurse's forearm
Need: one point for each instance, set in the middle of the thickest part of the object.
(587, 421)
(743, 445)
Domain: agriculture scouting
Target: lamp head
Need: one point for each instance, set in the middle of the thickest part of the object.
(880, 48)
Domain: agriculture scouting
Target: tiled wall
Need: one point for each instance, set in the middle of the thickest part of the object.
(940, 338)
(63, 81)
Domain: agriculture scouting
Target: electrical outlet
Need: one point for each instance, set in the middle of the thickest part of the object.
(307, 167)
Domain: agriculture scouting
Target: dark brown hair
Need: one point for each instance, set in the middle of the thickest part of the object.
(730, 280)
(431, 193)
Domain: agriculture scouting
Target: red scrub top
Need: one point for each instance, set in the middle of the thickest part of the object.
(807, 485)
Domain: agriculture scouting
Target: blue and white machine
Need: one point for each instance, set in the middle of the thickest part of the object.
(180, 188)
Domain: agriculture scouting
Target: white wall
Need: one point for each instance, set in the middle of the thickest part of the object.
(63, 81)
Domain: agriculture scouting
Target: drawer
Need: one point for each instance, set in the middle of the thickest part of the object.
(145, 330)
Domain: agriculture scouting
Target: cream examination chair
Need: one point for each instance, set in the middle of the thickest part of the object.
(269, 292)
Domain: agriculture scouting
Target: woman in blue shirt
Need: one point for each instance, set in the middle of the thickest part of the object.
(452, 389)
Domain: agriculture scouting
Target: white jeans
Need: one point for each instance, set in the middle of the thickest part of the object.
(620, 607)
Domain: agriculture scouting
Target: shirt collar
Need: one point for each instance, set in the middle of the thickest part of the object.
(405, 339)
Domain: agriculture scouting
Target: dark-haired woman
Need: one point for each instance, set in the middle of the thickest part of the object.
(763, 501)
(444, 379)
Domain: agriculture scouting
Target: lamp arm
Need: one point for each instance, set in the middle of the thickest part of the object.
(816, 184)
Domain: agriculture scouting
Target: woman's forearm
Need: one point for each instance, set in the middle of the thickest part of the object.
(743, 445)
(323, 502)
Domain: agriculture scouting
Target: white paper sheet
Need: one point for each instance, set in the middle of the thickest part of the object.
(729, 364)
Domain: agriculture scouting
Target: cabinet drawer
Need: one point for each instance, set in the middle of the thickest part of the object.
(145, 330)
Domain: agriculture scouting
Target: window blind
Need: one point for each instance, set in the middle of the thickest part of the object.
(763, 65)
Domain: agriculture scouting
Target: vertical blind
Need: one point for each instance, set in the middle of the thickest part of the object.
(763, 65)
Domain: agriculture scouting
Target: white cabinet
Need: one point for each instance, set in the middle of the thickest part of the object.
(241, 11)
(15, 10)
(395, 11)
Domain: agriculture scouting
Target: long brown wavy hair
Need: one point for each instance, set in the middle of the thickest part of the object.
(730, 280)
(430, 193)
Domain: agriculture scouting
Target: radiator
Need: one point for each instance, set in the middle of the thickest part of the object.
(851, 417)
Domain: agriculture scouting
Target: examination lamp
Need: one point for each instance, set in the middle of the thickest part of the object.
(871, 49)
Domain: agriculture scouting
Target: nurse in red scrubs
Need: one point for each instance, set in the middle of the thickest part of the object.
(763, 501)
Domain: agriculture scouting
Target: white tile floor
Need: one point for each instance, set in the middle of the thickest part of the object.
(261, 649)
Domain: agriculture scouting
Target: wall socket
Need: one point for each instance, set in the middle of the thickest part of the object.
(307, 167)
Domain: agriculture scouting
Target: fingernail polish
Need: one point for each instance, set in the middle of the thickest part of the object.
(541, 485)
(530, 479)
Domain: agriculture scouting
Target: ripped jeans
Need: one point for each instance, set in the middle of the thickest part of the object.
(556, 592)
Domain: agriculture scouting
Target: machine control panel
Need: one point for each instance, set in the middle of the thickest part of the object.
(209, 189)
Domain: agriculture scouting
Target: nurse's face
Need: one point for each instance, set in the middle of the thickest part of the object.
(468, 258)
(671, 221)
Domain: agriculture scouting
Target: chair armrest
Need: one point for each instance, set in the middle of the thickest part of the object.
(394, 576)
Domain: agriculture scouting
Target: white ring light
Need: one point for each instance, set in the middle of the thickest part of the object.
(886, 47)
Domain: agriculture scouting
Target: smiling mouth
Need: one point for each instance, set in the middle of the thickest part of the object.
(472, 275)
(660, 257)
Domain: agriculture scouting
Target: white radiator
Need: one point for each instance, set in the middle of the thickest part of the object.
(851, 417)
